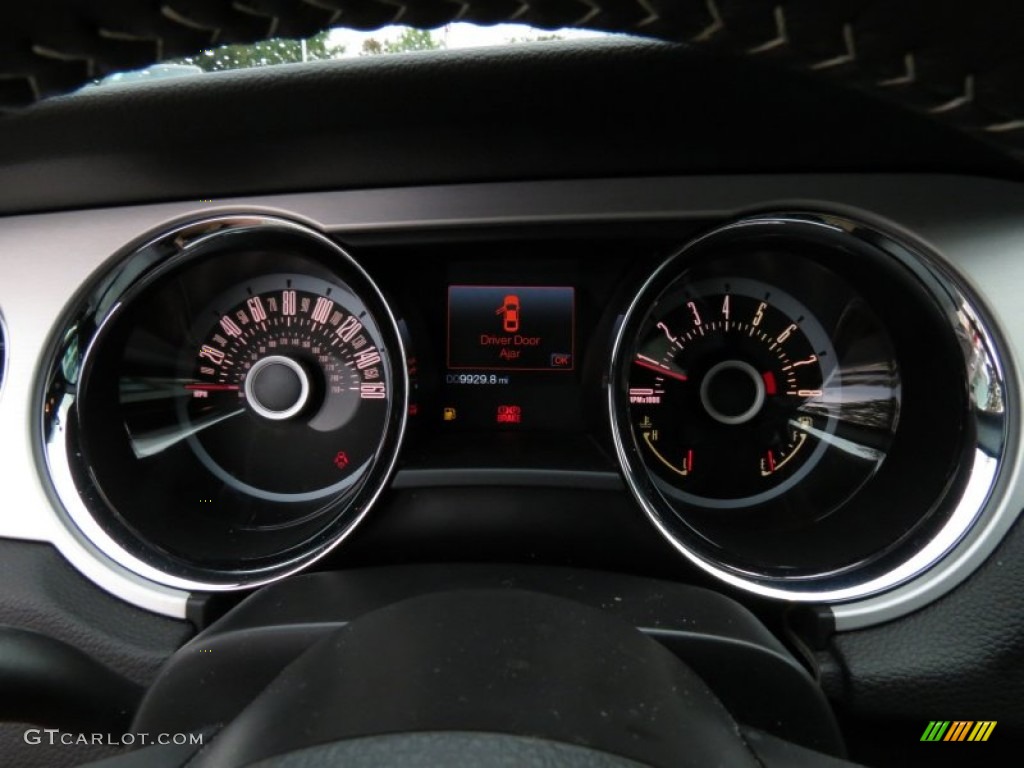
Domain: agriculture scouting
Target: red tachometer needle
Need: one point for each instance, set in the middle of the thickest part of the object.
(662, 371)
(213, 387)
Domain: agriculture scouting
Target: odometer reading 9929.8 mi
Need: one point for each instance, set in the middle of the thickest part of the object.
(727, 388)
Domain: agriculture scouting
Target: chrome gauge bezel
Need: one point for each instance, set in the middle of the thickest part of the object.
(5, 353)
(81, 503)
(958, 508)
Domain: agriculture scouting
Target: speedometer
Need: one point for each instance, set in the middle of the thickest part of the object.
(228, 405)
(286, 386)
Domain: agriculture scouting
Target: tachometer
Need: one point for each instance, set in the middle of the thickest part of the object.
(729, 390)
(789, 403)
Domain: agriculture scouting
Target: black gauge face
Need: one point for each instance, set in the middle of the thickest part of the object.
(286, 393)
(729, 393)
(242, 405)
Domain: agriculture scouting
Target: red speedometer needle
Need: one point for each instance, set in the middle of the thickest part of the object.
(213, 387)
(663, 371)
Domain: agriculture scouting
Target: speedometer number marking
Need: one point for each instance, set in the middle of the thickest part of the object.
(372, 391)
(366, 358)
(230, 327)
(212, 354)
(259, 314)
(349, 328)
(287, 303)
(322, 310)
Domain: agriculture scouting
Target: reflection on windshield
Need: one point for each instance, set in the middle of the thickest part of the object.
(342, 43)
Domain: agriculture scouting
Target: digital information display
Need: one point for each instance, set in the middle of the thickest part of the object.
(511, 328)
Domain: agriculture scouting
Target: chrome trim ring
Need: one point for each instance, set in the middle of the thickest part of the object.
(5, 352)
(981, 471)
(81, 501)
(755, 406)
(257, 405)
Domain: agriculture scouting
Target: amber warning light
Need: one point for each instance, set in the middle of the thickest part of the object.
(502, 327)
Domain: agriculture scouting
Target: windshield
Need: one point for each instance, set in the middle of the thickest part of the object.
(340, 43)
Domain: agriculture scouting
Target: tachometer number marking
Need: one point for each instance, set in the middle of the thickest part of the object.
(781, 338)
(668, 333)
(809, 361)
(693, 311)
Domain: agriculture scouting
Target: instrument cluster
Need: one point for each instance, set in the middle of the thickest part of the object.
(804, 407)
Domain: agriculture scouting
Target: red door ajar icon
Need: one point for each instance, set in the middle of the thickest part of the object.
(509, 310)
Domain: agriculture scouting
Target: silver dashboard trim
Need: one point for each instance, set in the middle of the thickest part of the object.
(974, 226)
(4, 353)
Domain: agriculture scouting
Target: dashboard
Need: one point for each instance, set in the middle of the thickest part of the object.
(229, 389)
(687, 359)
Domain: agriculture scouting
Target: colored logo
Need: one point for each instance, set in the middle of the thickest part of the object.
(958, 730)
